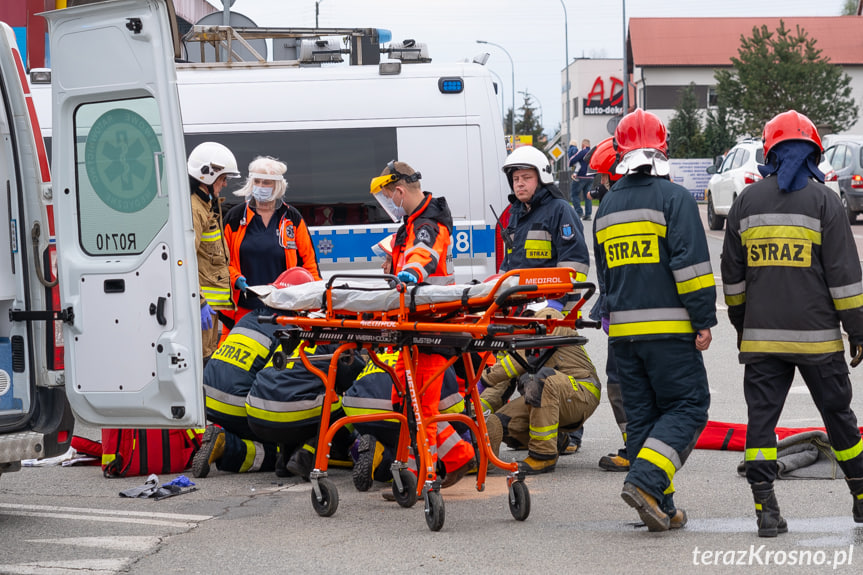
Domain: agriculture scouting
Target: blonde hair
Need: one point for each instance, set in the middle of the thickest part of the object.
(265, 166)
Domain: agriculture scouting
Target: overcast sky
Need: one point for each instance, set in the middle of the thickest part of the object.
(532, 31)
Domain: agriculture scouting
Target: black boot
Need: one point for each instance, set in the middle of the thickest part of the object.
(856, 487)
(770, 522)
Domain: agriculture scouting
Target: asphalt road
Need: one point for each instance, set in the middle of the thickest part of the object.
(58, 521)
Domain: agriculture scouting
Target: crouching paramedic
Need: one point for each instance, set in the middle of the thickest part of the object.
(562, 394)
(652, 258)
(791, 273)
(422, 253)
(376, 446)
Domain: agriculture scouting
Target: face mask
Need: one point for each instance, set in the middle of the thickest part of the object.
(262, 194)
(395, 212)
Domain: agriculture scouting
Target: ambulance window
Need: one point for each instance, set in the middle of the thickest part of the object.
(329, 171)
(118, 145)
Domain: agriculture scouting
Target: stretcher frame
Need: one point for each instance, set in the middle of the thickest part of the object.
(483, 325)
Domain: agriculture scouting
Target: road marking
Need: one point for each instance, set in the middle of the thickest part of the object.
(120, 543)
(105, 515)
(76, 567)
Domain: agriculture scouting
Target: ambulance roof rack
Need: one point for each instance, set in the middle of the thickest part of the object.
(298, 46)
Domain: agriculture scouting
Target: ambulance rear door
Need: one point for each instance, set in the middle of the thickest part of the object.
(125, 239)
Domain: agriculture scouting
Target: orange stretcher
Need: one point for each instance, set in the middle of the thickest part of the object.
(485, 325)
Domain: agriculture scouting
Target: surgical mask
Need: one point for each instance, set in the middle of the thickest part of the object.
(262, 194)
(395, 212)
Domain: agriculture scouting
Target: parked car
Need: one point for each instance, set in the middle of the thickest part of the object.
(738, 169)
(846, 158)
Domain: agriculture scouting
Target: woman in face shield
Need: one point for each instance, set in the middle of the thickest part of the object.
(265, 235)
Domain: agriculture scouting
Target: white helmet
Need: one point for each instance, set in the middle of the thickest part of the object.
(210, 160)
(525, 158)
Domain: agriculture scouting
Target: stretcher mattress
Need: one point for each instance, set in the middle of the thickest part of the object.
(370, 296)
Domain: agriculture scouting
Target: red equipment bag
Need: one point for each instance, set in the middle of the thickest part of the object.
(129, 452)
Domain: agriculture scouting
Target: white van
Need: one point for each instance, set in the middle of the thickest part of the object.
(336, 127)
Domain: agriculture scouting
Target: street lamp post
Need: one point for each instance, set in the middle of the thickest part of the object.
(512, 79)
(568, 103)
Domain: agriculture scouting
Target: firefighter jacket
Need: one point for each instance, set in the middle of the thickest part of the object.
(229, 374)
(545, 233)
(791, 273)
(571, 360)
(652, 259)
(213, 275)
(423, 243)
(293, 395)
(260, 260)
(372, 390)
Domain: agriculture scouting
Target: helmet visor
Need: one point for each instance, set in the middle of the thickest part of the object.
(381, 181)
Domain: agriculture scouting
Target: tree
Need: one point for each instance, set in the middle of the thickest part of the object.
(527, 123)
(849, 8)
(780, 71)
(718, 135)
(685, 139)
(507, 122)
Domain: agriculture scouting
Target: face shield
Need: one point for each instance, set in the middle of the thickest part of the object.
(393, 211)
(379, 184)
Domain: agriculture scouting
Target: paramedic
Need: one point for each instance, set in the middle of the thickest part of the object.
(209, 166)
(422, 253)
(791, 274)
(265, 235)
(651, 253)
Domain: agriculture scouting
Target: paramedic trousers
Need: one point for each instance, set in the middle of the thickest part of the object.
(566, 402)
(765, 387)
(426, 365)
(666, 397)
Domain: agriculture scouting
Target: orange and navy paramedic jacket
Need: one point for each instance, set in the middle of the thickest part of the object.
(423, 244)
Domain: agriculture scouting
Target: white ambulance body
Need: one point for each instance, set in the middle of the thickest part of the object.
(337, 126)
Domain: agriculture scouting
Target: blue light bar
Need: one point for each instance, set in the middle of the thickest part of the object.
(451, 85)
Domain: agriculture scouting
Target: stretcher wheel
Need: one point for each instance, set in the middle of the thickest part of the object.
(279, 360)
(329, 501)
(435, 511)
(519, 500)
(408, 497)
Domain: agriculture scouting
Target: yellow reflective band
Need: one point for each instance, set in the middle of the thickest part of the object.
(848, 302)
(696, 284)
(580, 277)
(366, 411)
(806, 347)
(541, 434)
(379, 182)
(213, 236)
(309, 448)
(850, 453)
(216, 296)
(589, 385)
(537, 249)
(643, 249)
(225, 408)
(508, 367)
(779, 252)
(776, 232)
(250, 456)
(760, 454)
(757, 507)
(630, 229)
(733, 300)
(658, 460)
(457, 408)
(193, 432)
(624, 437)
(669, 489)
(859, 496)
(290, 416)
(649, 327)
(486, 406)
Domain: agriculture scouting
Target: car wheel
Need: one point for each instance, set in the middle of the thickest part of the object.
(852, 215)
(714, 221)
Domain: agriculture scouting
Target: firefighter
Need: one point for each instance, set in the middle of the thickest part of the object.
(791, 274)
(603, 161)
(544, 229)
(422, 253)
(210, 165)
(562, 394)
(228, 377)
(651, 255)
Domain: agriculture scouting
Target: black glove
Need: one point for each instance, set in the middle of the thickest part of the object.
(532, 386)
(856, 353)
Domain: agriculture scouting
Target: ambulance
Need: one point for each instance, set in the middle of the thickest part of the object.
(99, 308)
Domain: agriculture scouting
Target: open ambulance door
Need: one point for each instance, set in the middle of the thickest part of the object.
(125, 240)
